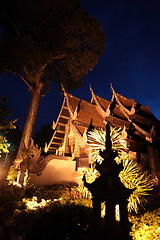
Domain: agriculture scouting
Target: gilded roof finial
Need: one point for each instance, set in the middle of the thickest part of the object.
(90, 88)
(111, 86)
(63, 89)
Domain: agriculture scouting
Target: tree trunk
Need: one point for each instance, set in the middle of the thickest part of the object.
(30, 121)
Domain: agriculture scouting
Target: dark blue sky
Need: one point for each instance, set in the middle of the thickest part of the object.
(130, 61)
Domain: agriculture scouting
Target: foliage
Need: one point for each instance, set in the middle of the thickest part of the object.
(74, 216)
(47, 40)
(91, 174)
(11, 195)
(14, 136)
(3, 145)
(5, 125)
(12, 175)
(96, 141)
(52, 192)
(70, 218)
(51, 36)
(58, 221)
(132, 176)
(33, 204)
(10, 198)
(56, 191)
(146, 226)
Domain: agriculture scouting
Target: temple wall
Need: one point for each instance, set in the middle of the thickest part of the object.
(57, 172)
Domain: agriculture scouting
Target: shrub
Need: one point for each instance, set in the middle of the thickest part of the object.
(10, 199)
(52, 192)
(71, 214)
(146, 226)
(57, 221)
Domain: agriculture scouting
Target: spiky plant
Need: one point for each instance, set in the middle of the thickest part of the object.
(91, 174)
(146, 226)
(96, 141)
(132, 176)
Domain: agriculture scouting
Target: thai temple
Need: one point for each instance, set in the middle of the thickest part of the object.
(69, 147)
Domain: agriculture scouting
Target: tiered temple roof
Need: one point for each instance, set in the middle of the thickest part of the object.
(138, 120)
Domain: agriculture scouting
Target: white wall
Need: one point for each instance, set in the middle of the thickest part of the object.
(57, 172)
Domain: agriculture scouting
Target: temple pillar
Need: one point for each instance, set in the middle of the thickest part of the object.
(66, 141)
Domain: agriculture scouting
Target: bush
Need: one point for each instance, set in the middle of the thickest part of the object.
(57, 221)
(10, 199)
(73, 215)
(52, 192)
(146, 226)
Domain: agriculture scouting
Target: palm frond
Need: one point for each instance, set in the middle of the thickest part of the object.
(132, 176)
(96, 141)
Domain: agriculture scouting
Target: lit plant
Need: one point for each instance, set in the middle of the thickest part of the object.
(146, 226)
(132, 176)
(4, 145)
(5, 124)
(91, 174)
(32, 204)
(96, 141)
(12, 175)
(103, 209)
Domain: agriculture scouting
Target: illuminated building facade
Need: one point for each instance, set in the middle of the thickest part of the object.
(141, 128)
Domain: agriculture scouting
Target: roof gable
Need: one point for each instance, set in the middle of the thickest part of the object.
(119, 112)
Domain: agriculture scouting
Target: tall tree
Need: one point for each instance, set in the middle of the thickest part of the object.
(44, 40)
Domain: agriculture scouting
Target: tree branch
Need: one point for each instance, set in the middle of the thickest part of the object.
(47, 18)
(26, 82)
(21, 76)
(59, 57)
(43, 67)
(13, 24)
(40, 72)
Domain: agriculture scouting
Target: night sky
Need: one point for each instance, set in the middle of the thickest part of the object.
(130, 61)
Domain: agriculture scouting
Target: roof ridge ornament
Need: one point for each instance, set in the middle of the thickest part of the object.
(66, 95)
(98, 104)
(133, 110)
(127, 114)
(153, 132)
(54, 125)
(112, 89)
(90, 88)
(108, 111)
(64, 90)
(75, 113)
(85, 135)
